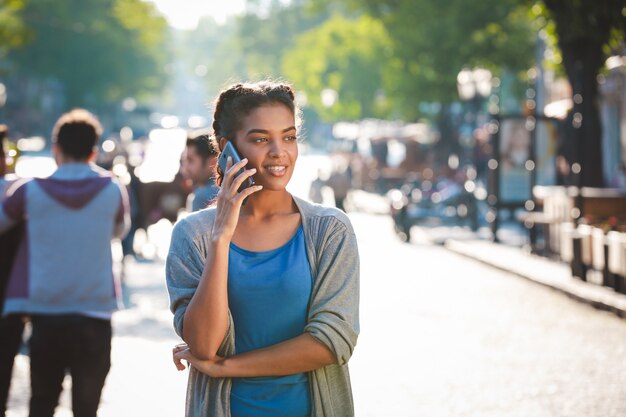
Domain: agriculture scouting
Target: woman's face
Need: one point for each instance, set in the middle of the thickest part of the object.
(268, 139)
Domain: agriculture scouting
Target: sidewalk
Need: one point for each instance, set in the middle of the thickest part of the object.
(508, 257)
(143, 380)
(547, 272)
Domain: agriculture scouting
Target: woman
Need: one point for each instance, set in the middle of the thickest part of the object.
(265, 294)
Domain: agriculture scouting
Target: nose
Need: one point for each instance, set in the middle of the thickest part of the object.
(276, 147)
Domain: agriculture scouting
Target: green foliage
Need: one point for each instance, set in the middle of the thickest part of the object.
(12, 32)
(598, 24)
(100, 50)
(587, 32)
(247, 47)
(434, 40)
(347, 56)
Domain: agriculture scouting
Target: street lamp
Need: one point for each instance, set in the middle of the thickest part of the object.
(473, 86)
(473, 83)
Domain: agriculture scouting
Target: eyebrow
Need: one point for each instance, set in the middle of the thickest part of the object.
(266, 131)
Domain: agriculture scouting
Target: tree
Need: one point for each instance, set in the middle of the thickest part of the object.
(11, 27)
(588, 32)
(347, 56)
(264, 36)
(100, 50)
(434, 40)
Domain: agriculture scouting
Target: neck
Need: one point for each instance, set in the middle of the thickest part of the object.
(64, 160)
(264, 204)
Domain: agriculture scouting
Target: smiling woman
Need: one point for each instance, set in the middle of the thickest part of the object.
(265, 294)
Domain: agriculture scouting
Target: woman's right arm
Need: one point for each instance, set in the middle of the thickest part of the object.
(206, 318)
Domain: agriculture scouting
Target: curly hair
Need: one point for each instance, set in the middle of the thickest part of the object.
(237, 101)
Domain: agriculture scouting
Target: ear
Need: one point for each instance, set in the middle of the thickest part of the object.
(223, 141)
(93, 155)
(56, 152)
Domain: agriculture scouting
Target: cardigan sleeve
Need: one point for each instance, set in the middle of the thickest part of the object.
(334, 310)
(183, 270)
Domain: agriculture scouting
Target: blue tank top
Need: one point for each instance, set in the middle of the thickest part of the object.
(268, 296)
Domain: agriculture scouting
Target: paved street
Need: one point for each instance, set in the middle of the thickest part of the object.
(142, 380)
(446, 336)
(442, 335)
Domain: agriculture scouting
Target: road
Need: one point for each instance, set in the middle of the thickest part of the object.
(441, 335)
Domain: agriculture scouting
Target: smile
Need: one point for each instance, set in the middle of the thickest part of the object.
(277, 169)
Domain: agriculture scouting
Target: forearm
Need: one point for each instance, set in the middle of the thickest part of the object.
(300, 354)
(206, 318)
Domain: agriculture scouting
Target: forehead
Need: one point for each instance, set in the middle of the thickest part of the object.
(191, 151)
(269, 117)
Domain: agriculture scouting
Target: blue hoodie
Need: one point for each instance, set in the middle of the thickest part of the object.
(64, 262)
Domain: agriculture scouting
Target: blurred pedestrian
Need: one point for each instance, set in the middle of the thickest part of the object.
(11, 326)
(199, 165)
(317, 185)
(265, 294)
(339, 181)
(63, 274)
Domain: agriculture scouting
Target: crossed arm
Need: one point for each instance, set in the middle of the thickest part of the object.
(300, 354)
(206, 325)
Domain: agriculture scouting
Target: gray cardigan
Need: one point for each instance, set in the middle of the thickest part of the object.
(333, 313)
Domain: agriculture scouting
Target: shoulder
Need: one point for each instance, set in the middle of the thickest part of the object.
(194, 226)
(314, 214)
(16, 186)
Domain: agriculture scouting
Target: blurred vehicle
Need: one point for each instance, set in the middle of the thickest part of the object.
(33, 159)
(441, 201)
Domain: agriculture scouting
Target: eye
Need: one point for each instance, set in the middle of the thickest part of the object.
(259, 139)
(291, 138)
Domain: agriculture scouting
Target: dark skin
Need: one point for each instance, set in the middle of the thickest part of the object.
(267, 142)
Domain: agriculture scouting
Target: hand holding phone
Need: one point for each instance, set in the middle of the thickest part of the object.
(229, 150)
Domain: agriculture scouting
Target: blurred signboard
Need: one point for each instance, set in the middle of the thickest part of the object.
(526, 157)
(515, 178)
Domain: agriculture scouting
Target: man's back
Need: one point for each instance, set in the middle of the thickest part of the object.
(64, 262)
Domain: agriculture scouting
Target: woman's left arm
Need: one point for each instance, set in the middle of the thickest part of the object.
(332, 329)
(300, 354)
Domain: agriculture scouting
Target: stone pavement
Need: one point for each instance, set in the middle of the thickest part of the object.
(550, 273)
(510, 257)
(142, 380)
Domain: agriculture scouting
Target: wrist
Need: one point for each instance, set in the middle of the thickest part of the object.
(219, 239)
(222, 369)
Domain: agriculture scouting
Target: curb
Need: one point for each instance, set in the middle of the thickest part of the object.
(542, 271)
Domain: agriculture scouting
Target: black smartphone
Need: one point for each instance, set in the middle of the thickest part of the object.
(229, 150)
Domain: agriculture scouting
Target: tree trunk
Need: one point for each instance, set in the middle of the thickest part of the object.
(582, 60)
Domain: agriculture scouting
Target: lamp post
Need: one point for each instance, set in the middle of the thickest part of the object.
(473, 86)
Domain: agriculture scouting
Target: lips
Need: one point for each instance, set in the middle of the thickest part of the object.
(276, 169)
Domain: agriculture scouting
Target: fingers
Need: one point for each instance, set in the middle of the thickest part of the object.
(179, 352)
(232, 170)
(233, 180)
(239, 179)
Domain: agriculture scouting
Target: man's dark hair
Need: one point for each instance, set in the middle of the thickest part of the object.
(77, 133)
(204, 144)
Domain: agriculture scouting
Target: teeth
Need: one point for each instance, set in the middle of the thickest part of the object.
(276, 168)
